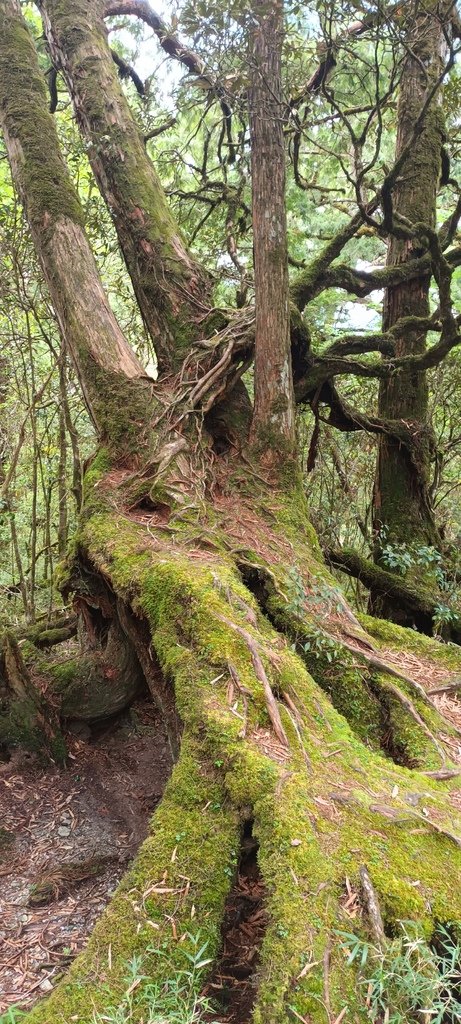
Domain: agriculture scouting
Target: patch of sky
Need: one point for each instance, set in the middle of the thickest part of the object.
(150, 60)
(365, 314)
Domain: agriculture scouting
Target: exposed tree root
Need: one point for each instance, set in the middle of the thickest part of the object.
(324, 805)
(50, 633)
(373, 908)
(449, 688)
(319, 658)
(339, 631)
(260, 674)
(407, 704)
(412, 599)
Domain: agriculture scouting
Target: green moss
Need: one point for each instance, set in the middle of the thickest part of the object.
(178, 883)
(29, 652)
(269, 438)
(217, 320)
(47, 185)
(328, 806)
(407, 741)
(398, 638)
(21, 726)
(122, 406)
(368, 702)
(335, 672)
(100, 464)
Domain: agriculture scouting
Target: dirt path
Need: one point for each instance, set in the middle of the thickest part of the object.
(66, 836)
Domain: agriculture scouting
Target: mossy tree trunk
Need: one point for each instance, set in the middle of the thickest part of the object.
(172, 290)
(265, 678)
(402, 511)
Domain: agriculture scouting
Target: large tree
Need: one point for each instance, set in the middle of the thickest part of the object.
(411, 198)
(403, 512)
(195, 564)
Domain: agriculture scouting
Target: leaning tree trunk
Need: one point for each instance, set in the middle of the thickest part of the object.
(172, 290)
(402, 511)
(265, 678)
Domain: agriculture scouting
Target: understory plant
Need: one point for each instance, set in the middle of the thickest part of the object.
(410, 979)
(12, 1015)
(176, 1001)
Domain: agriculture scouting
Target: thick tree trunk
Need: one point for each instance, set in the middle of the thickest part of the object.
(100, 354)
(273, 426)
(339, 776)
(27, 719)
(402, 511)
(172, 290)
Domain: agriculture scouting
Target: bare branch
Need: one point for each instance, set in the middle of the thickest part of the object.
(155, 132)
(126, 71)
(169, 42)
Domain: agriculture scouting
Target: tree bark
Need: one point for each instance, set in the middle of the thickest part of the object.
(172, 290)
(26, 717)
(100, 353)
(402, 511)
(273, 427)
(62, 465)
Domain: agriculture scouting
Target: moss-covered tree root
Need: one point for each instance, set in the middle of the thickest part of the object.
(418, 598)
(324, 804)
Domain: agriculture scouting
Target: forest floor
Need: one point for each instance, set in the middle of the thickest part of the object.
(66, 835)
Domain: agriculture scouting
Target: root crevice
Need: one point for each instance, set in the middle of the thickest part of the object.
(233, 985)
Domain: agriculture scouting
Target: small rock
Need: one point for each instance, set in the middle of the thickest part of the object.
(63, 830)
(46, 985)
(296, 842)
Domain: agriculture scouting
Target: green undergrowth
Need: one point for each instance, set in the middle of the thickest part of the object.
(409, 978)
(12, 1016)
(177, 1000)
(321, 809)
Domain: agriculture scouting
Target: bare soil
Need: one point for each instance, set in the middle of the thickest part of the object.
(66, 835)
